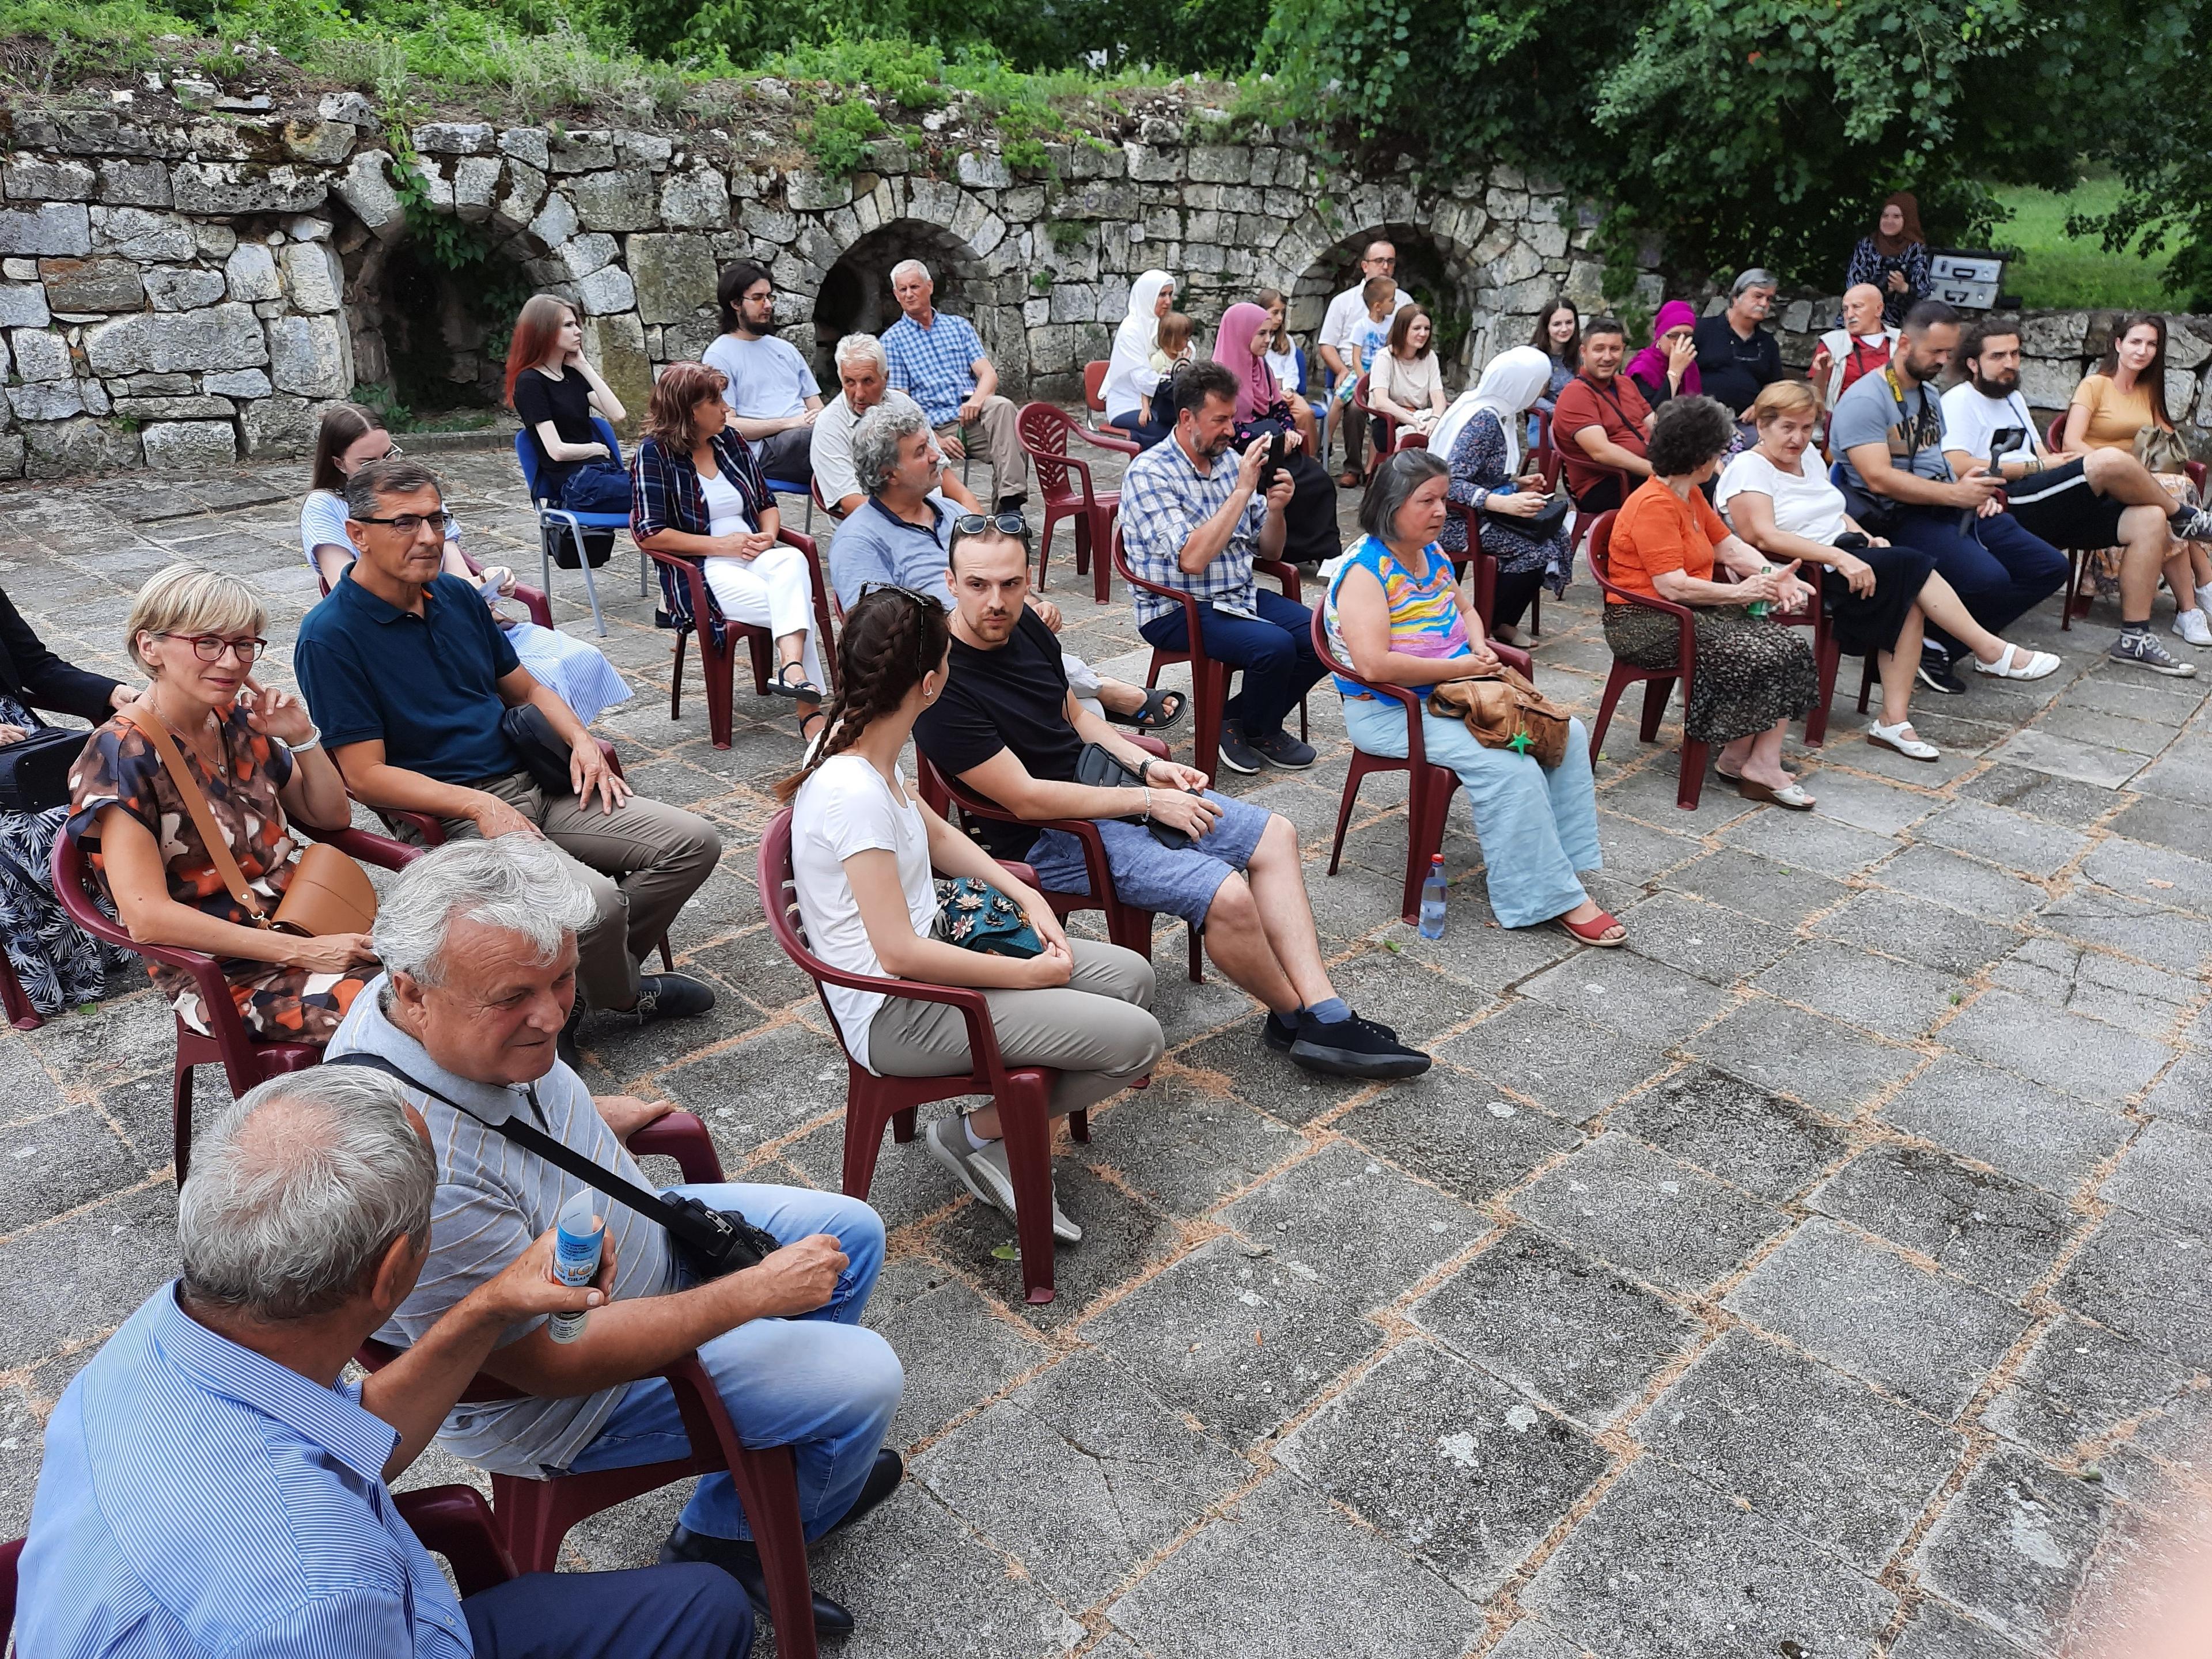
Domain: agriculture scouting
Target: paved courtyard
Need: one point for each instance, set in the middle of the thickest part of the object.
(1825, 1275)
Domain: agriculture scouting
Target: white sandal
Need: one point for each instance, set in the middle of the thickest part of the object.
(1893, 736)
(2038, 663)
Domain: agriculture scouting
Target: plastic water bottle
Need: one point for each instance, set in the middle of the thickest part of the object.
(575, 1259)
(1758, 607)
(1432, 899)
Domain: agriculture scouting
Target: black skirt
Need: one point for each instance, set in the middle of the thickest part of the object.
(1865, 626)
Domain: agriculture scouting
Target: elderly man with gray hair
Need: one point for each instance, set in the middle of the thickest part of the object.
(478, 943)
(213, 1485)
(864, 373)
(938, 360)
(1736, 356)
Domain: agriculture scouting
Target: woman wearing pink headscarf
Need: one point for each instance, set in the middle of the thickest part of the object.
(1667, 368)
(1263, 409)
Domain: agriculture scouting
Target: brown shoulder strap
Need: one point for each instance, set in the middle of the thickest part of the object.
(143, 715)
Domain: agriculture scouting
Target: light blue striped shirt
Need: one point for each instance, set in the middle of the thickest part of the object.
(202, 1502)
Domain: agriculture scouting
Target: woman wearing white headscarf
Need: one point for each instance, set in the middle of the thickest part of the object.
(1130, 376)
(1477, 439)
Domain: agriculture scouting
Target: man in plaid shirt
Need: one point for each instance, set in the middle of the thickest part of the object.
(1193, 519)
(937, 359)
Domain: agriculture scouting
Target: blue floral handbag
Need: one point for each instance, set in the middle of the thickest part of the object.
(977, 917)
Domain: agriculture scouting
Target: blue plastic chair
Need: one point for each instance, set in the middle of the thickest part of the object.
(553, 516)
(786, 487)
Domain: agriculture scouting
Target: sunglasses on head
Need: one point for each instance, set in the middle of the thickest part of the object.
(1006, 524)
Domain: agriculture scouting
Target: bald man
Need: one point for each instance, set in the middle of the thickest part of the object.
(1861, 346)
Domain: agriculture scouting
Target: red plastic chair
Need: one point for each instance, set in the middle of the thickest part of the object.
(1126, 925)
(532, 599)
(1393, 439)
(15, 1001)
(1209, 679)
(1431, 785)
(1658, 683)
(870, 1102)
(1065, 484)
(1094, 405)
(11, 1553)
(529, 1518)
(718, 663)
(245, 1061)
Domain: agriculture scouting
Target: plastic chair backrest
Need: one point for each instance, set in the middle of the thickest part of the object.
(1043, 429)
(525, 451)
(1298, 368)
(1599, 548)
(1094, 384)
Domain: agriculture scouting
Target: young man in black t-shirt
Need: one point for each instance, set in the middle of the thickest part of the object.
(1006, 727)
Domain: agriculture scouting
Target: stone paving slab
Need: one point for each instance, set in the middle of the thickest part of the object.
(1768, 1286)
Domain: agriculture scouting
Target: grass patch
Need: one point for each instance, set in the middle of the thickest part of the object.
(2055, 271)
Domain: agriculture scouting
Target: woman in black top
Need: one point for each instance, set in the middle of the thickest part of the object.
(554, 392)
(57, 966)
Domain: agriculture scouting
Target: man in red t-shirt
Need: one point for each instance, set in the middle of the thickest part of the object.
(1600, 422)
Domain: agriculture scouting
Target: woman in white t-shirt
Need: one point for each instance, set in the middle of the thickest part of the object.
(862, 846)
(1880, 598)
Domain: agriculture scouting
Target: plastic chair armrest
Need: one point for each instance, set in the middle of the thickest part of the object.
(703, 608)
(370, 848)
(457, 1524)
(1113, 442)
(1285, 574)
(682, 1136)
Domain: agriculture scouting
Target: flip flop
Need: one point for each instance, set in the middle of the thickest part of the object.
(1791, 797)
(1163, 708)
(1597, 929)
(801, 690)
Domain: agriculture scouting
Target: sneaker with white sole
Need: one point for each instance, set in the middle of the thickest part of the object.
(2204, 596)
(2191, 524)
(991, 1167)
(2018, 663)
(1235, 753)
(946, 1140)
(2191, 627)
(2142, 650)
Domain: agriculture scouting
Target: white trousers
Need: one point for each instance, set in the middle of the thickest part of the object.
(773, 591)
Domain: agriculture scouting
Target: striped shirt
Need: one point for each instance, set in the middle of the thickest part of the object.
(199, 1501)
(1424, 614)
(934, 366)
(493, 1198)
(1165, 498)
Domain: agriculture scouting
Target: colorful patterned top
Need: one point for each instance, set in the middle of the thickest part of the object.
(121, 767)
(1424, 614)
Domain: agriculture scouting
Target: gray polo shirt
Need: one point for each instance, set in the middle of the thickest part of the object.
(1869, 414)
(493, 1198)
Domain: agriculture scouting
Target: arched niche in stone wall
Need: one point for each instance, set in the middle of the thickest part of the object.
(1320, 262)
(856, 296)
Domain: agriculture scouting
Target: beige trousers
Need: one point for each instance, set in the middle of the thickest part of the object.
(1001, 446)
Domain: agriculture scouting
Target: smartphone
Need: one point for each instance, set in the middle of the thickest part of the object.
(1278, 447)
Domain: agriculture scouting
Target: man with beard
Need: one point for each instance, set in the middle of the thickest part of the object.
(2094, 498)
(1007, 727)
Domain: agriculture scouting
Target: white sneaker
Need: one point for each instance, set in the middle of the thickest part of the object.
(991, 1167)
(2191, 626)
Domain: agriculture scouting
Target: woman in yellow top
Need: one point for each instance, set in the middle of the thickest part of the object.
(2113, 408)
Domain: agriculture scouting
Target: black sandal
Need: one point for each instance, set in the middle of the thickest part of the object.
(805, 691)
(1163, 708)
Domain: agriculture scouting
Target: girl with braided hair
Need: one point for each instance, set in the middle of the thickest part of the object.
(863, 847)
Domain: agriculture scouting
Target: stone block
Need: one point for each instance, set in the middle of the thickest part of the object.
(142, 235)
(616, 343)
(124, 183)
(555, 221)
(103, 284)
(278, 426)
(2015, 1545)
(154, 385)
(2053, 333)
(476, 180)
(618, 200)
(1220, 164)
(513, 208)
(674, 276)
(13, 451)
(1151, 164)
(2180, 392)
(1658, 1220)
(528, 145)
(250, 273)
(183, 288)
(60, 229)
(810, 192)
(580, 255)
(41, 179)
(23, 305)
(1549, 241)
(74, 448)
(313, 279)
(325, 142)
(236, 383)
(1743, 1134)
(311, 357)
(41, 355)
(650, 149)
(453, 138)
(247, 187)
(768, 222)
(189, 446)
(350, 107)
(186, 408)
(983, 170)
(578, 152)
(698, 199)
(366, 188)
(45, 400)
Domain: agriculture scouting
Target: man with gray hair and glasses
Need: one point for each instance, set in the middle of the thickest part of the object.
(1736, 356)
(478, 943)
(213, 1485)
(938, 360)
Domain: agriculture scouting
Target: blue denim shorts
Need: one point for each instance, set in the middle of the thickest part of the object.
(1152, 877)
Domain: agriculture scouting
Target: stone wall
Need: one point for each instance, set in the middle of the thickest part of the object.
(179, 289)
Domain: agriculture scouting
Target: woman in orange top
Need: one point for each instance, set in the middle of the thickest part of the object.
(1753, 676)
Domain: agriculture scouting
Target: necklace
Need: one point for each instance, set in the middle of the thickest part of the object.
(194, 738)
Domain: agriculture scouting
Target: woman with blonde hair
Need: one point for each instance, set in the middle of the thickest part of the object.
(258, 761)
(554, 391)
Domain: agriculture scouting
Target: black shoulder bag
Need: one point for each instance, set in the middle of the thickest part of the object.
(709, 1244)
(34, 773)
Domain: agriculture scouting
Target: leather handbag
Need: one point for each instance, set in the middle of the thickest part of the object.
(34, 774)
(544, 757)
(1504, 710)
(1098, 767)
(977, 917)
(328, 893)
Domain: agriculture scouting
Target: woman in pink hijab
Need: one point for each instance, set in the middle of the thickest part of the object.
(1263, 410)
(1667, 368)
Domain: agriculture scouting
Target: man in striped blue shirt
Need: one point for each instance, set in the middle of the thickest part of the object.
(213, 1487)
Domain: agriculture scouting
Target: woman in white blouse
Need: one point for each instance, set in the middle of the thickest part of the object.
(1406, 382)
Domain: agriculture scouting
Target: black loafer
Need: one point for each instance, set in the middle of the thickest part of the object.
(671, 996)
(883, 1480)
(737, 1558)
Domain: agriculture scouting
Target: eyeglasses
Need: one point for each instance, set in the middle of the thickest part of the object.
(1006, 524)
(392, 452)
(209, 647)
(408, 523)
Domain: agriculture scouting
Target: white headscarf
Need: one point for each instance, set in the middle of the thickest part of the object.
(1512, 383)
(1133, 344)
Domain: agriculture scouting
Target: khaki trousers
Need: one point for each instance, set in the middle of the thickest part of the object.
(1098, 1030)
(1002, 446)
(640, 861)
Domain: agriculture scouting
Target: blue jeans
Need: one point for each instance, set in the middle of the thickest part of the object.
(1999, 570)
(817, 1383)
(686, 1610)
(1537, 827)
(1275, 652)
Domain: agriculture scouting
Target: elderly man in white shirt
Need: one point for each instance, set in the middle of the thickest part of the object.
(1347, 313)
(865, 379)
(1861, 346)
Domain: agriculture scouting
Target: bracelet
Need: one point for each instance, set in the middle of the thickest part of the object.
(312, 740)
(1148, 801)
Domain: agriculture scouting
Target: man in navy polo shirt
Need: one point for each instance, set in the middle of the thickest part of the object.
(407, 675)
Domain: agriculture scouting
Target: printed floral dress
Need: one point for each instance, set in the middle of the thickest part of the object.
(121, 768)
(57, 966)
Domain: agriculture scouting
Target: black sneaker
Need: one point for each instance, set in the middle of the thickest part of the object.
(1280, 1034)
(1935, 673)
(1237, 755)
(669, 996)
(1285, 750)
(1355, 1047)
(741, 1561)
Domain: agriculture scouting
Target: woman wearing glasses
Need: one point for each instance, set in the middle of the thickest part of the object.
(256, 757)
(350, 438)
